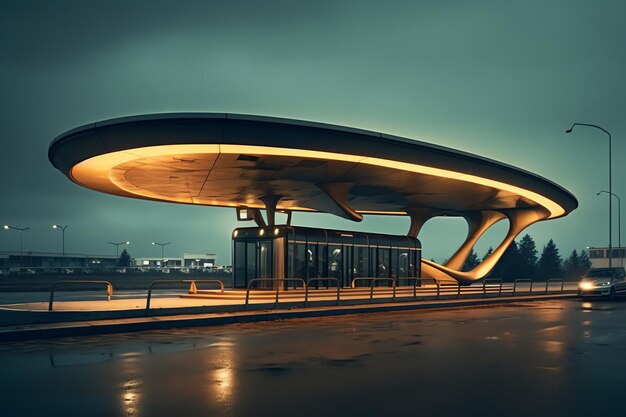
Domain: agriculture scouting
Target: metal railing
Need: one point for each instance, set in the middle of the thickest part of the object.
(193, 289)
(553, 281)
(420, 281)
(278, 281)
(520, 280)
(306, 291)
(56, 284)
(372, 282)
(497, 281)
(446, 288)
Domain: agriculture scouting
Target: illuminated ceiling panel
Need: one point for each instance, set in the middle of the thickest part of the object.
(234, 160)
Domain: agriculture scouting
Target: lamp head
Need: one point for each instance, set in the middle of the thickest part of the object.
(128, 243)
(55, 226)
(153, 243)
(5, 227)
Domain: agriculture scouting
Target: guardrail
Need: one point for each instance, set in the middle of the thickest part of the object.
(555, 280)
(419, 281)
(519, 280)
(277, 280)
(56, 284)
(494, 281)
(193, 289)
(306, 291)
(372, 282)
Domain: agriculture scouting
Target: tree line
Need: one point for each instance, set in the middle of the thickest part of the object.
(521, 260)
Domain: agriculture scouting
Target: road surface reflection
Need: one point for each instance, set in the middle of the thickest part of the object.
(551, 358)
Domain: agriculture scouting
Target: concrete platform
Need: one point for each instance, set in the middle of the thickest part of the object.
(119, 318)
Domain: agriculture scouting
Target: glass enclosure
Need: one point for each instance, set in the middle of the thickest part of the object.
(302, 252)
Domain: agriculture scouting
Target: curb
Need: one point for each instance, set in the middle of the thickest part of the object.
(124, 325)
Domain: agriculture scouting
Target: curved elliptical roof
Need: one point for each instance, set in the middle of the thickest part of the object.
(233, 160)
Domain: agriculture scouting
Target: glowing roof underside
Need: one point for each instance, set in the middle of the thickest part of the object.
(226, 160)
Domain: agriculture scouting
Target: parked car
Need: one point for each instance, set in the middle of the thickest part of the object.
(603, 282)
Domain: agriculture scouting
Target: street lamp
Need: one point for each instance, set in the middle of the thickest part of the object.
(619, 216)
(117, 247)
(162, 245)
(56, 226)
(610, 185)
(20, 229)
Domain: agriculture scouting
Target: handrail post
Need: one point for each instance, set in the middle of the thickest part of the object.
(247, 295)
(393, 299)
(109, 289)
(306, 296)
(277, 288)
(51, 297)
(372, 292)
(338, 290)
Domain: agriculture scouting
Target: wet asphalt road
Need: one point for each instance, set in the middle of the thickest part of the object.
(552, 358)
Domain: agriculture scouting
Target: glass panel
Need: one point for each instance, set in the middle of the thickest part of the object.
(250, 261)
(265, 259)
(403, 266)
(322, 261)
(311, 261)
(240, 264)
(393, 270)
(348, 271)
(299, 261)
(335, 261)
(382, 268)
(361, 261)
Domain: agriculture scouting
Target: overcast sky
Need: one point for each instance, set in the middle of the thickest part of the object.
(501, 79)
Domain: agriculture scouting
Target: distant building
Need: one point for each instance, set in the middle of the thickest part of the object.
(599, 257)
(44, 262)
(186, 261)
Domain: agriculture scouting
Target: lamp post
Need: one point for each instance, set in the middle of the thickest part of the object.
(619, 216)
(20, 229)
(610, 185)
(162, 245)
(56, 226)
(117, 247)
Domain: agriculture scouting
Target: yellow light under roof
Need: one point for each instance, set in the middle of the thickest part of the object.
(103, 173)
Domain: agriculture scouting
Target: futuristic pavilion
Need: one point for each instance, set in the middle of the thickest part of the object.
(256, 164)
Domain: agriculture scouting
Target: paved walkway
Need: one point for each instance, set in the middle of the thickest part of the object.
(138, 319)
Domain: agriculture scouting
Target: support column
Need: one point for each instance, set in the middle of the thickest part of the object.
(270, 202)
(419, 216)
(477, 222)
(519, 219)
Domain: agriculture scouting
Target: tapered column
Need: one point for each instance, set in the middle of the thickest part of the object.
(419, 216)
(270, 202)
(478, 222)
(519, 219)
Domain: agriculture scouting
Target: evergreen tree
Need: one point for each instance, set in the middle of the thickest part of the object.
(488, 253)
(528, 257)
(571, 265)
(471, 262)
(585, 263)
(549, 265)
(124, 259)
(576, 265)
(508, 266)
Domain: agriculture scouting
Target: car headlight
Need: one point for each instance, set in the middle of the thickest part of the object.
(585, 285)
